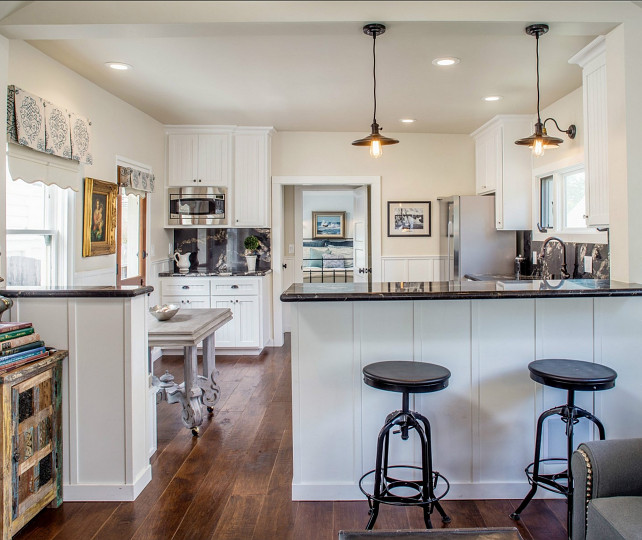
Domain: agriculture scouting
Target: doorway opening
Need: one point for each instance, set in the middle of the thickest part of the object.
(325, 230)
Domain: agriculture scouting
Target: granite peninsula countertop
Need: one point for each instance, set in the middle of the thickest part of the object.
(455, 290)
(89, 291)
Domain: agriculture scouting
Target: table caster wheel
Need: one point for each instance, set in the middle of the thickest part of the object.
(195, 431)
(210, 410)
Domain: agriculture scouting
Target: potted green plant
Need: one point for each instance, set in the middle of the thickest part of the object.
(251, 244)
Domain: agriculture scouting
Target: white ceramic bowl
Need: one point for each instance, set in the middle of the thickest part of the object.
(164, 312)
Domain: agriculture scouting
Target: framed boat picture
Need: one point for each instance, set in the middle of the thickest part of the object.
(409, 218)
(99, 223)
(328, 224)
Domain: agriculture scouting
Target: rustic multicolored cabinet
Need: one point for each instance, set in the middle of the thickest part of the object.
(31, 453)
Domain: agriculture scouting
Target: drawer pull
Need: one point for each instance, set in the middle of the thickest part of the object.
(185, 286)
(235, 286)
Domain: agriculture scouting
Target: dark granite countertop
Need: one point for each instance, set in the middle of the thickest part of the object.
(76, 292)
(258, 273)
(454, 290)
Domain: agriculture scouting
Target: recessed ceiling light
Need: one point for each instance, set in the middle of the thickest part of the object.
(493, 98)
(407, 120)
(119, 66)
(446, 61)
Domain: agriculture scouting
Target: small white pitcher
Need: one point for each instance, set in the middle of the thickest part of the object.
(182, 261)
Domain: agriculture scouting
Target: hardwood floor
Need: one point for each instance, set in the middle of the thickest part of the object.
(233, 482)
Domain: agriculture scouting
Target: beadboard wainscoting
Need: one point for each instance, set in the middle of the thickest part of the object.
(420, 268)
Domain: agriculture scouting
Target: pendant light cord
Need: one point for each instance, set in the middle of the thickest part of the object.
(539, 120)
(374, 76)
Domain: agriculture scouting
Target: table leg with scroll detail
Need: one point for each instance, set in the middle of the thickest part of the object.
(211, 390)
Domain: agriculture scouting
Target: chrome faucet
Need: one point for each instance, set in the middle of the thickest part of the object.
(542, 255)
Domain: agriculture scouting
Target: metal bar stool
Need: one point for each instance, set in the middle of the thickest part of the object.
(407, 378)
(570, 375)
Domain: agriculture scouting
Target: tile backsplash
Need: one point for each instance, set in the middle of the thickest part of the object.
(550, 268)
(218, 250)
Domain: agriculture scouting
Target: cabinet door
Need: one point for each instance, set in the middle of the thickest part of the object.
(251, 180)
(225, 335)
(188, 302)
(480, 165)
(596, 143)
(181, 155)
(213, 160)
(246, 313)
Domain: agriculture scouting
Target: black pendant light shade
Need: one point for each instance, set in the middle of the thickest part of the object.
(375, 140)
(540, 140)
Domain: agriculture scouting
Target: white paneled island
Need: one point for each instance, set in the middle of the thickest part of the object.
(485, 333)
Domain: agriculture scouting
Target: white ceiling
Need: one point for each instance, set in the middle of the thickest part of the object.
(303, 67)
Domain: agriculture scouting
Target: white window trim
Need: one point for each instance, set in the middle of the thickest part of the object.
(556, 170)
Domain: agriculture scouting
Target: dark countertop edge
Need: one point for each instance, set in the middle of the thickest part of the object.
(464, 295)
(88, 292)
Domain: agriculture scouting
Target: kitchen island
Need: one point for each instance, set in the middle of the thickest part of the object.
(485, 333)
(108, 401)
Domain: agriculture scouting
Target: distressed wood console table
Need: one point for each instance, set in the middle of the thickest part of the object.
(187, 329)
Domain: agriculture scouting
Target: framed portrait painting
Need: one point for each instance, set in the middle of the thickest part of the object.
(409, 218)
(328, 224)
(99, 223)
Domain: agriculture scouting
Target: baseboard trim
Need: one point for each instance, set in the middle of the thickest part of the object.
(458, 491)
(107, 492)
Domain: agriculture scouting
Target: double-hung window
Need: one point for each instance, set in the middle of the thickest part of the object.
(38, 231)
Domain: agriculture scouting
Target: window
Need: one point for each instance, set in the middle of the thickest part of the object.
(562, 201)
(37, 229)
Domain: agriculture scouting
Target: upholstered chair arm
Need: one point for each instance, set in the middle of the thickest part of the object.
(604, 469)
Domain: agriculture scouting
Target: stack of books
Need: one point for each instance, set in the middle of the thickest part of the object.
(19, 344)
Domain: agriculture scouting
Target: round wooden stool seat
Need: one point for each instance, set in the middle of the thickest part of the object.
(406, 377)
(572, 374)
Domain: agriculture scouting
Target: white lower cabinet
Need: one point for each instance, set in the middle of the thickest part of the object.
(248, 297)
(243, 331)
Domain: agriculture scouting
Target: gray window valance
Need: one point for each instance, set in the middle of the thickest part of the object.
(46, 127)
(130, 177)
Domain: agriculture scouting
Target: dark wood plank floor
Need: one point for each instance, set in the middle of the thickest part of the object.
(233, 482)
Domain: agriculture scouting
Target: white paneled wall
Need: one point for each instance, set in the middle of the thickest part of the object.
(424, 268)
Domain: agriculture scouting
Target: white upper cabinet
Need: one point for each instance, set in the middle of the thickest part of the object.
(252, 195)
(503, 168)
(199, 159)
(592, 60)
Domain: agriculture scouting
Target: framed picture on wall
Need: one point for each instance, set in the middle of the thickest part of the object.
(328, 224)
(409, 218)
(99, 223)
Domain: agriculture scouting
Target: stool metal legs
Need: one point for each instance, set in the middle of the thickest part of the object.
(570, 414)
(384, 483)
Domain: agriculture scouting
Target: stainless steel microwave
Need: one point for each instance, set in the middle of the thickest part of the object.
(197, 206)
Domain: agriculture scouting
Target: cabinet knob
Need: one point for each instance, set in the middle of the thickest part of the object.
(185, 286)
(187, 301)
(235, 286)
(199, 180)
(584, 216)
(194, 180)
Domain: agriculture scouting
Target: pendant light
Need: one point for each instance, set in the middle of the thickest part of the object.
(540, 140)
(375, 140)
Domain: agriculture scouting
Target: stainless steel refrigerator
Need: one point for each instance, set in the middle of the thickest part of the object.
(469, 240)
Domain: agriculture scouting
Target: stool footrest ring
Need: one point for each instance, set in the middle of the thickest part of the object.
(549, 481)
(390, 483)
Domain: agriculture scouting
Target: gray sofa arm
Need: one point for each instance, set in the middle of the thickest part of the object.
(604, 469)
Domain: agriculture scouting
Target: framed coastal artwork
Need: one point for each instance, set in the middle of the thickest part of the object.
(409, 218)
(328, 224)
(99, 223)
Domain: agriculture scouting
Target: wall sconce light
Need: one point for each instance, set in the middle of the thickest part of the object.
(375, 140)
(540, 140)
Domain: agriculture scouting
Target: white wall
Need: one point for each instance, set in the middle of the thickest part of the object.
(117, 129)
(335, 201)
(420, 168)
(567, 110)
